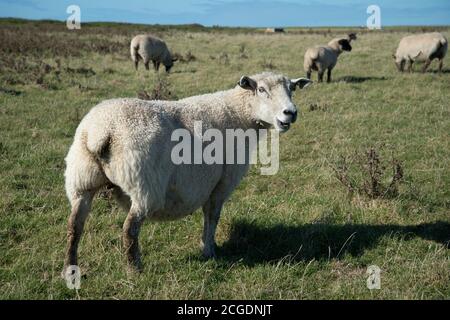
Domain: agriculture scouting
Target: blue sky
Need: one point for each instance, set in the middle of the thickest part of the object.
(258, 13)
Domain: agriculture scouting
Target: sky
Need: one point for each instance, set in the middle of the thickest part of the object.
(246, 13)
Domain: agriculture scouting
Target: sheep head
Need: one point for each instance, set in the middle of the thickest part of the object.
(399, 62)
(351, 36)
(169, 65)
(271, 101)
(345, 45)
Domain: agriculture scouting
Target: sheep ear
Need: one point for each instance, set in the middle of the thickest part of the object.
(300, 82)
(174, 59)
(247, 83)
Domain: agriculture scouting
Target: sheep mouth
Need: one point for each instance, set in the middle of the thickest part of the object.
(283, 126)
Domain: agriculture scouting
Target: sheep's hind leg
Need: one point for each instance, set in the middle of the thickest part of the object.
(321, 76)
(122, 199)
(131, 228)
(426, 65)
(80, 210)
(211, 214)
(441, 65)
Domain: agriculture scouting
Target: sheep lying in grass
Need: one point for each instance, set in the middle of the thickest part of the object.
(126, 144)
(149, 48)
(423, 47)
(324, 58)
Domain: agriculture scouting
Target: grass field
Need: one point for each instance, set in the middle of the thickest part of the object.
(297, 235)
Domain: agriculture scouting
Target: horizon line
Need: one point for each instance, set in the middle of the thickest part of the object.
(228, 26)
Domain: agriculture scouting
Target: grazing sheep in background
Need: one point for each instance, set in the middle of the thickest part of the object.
(274, 30)
(149, 48)
(324, 58)
(126, 144)
(422, 47)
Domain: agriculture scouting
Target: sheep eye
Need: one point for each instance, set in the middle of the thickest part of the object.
(261, 90)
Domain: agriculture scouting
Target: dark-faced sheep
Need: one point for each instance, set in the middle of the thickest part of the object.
(422, 47)
(350, 37)
(324, 58)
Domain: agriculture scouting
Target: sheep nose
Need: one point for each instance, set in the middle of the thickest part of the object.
(292, 113)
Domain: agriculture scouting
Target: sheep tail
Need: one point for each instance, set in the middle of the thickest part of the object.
(315, 57)
(100, 147)
(104, 150)
(314, 64)
(134, 53)
(443, 46)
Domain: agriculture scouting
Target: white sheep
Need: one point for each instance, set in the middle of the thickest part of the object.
(126, 144)
(323, 58)
(149, 48)
(422, 47)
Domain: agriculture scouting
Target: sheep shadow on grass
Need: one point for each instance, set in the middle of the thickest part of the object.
(436, 71)
(184, 71)
(253, 244)
(354, 79)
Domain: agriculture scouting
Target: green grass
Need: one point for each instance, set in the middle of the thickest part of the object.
(296, 235)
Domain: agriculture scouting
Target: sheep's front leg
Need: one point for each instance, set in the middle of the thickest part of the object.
(155, 66)
(329, 75)
(410, 66)
(131, 228)
(308, 74)
(211, 213)
(402, 65)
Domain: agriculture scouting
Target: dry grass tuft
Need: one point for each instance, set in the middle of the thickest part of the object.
(160, 91)
(367, 173)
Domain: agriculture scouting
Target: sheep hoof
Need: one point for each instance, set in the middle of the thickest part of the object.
(135, 268)
(134, 263)
(66, 272)
(209, 253)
